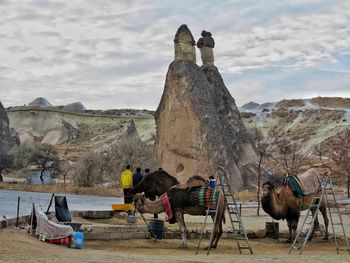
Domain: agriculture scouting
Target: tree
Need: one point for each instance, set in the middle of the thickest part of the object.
(47, 158)
(88, 171)
(5, 162)
(130, 151)
(289, 148)
(263, 147)
(340, 154)
(23, 155)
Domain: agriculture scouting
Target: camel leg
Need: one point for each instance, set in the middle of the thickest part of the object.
(181, 221)
(290, 238)
(325, 219)
(218, 232)
(316, 225)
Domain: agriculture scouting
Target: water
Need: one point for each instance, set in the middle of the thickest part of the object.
(33, 177)
(8, 202)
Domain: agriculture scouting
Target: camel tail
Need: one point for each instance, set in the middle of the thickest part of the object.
(223, 218)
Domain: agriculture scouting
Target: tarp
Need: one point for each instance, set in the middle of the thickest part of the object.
(61, 209)
(49, 228)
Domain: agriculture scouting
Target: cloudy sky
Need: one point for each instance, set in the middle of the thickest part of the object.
(115, 53)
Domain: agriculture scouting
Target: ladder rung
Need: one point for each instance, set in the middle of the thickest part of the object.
(337, 224)
(238, 230)
(233, 212)
(343, 249)
(295, 247)
(240, 247)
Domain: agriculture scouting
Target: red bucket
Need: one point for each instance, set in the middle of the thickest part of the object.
(60, 241)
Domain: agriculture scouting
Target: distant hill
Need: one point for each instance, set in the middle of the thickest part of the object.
(40, 102)
(250, 106)
(75, 107)
(322, 117)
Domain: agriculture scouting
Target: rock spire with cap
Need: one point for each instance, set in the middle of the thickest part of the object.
(206, 44)
(198, 124)
(184, 44)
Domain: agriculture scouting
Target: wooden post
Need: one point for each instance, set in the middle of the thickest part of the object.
(17, 219)
(31, 220)
(48, 208)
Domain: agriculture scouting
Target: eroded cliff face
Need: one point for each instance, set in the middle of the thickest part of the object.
(198, 124)
(7, 141)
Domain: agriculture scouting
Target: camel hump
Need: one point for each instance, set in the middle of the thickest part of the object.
(193, 181)
(309, 181)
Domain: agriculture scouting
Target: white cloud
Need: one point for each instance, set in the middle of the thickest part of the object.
(110, 53)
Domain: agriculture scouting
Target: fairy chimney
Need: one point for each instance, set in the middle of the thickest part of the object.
(198, 127)
(206, 44)
(184, 44)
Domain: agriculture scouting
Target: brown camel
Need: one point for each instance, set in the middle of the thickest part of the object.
(183, 201)
(155, 184)
(280, 202)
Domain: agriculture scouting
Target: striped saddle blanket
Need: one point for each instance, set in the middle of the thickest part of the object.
(206, 196)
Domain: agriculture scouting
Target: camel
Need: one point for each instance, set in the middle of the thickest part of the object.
(183, 201)
(280, 202)
(155, 184)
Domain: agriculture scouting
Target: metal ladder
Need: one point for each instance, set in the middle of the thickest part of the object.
(238, 230)
(325, 188)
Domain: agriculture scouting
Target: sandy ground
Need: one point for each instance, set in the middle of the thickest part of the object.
(18, 246)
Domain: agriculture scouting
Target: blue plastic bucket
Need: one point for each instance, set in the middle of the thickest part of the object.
(157, 228)
(77, 240)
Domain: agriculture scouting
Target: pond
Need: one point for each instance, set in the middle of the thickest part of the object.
(8, 202)
(33, 177)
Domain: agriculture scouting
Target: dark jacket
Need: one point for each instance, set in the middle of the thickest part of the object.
(137, 178)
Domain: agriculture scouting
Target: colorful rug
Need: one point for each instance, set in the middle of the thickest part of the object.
(206, 196)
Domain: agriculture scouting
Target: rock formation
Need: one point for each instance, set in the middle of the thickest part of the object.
(40, 102)
(206, 44)
(6, 139)
(198, 124)
(76, 107)
(184, 45)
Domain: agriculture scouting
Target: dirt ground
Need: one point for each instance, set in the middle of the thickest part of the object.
(18, 246)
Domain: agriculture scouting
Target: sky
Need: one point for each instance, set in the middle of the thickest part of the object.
(110, 54)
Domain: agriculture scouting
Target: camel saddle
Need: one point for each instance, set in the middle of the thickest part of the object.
(307, 183)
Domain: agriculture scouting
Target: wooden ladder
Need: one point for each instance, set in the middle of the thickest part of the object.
(238, 230)
(325, 189)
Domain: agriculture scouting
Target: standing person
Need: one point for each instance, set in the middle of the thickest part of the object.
(137, 177)
(146, 172)
(211, 181)
(126, 179)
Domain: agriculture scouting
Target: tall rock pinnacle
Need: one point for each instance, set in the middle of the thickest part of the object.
(198, 124)
(184, 45)
(206, 44)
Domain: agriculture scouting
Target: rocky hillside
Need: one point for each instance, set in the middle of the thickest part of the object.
(76, 133)
(320, 117)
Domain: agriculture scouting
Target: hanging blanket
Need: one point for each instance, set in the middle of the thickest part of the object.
(206, 196)
(296, 186)
(167, 207)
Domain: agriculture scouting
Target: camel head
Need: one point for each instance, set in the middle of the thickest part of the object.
(269, 187)
(139, 201)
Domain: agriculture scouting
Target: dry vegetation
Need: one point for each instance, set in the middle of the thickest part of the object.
(291, 103)
(323, 115)
(64, 188)
(336, 102)
(286, 115)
